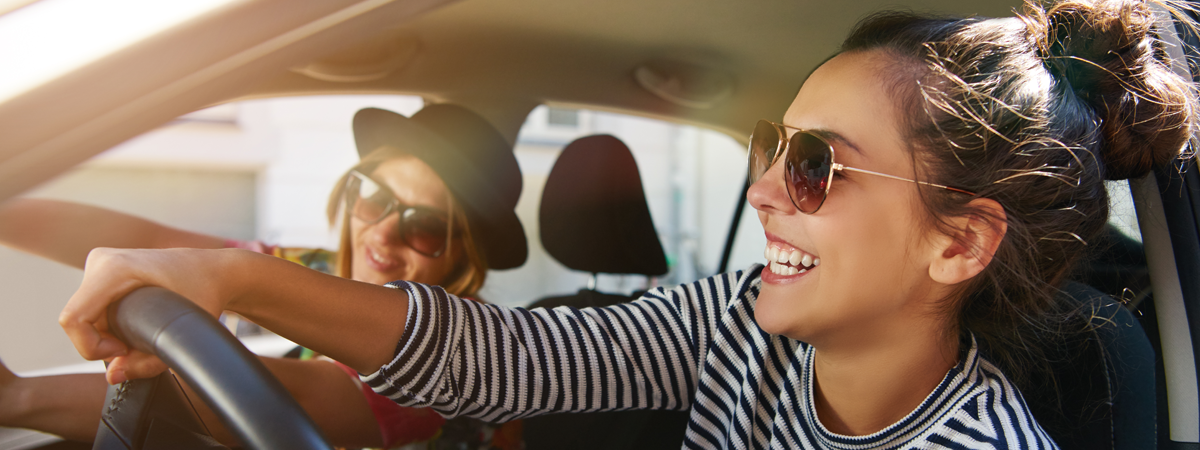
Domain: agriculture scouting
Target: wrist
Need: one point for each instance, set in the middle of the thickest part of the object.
(15, 401)
(235, 266)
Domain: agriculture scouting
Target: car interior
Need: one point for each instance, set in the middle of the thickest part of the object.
(594, 219)
(1131, 384)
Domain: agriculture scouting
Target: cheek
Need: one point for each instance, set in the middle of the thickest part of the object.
(881, 261)
(358, 231)
(447, 264)
(877, 234)
(868, 260)
(356, 254)
(433, 270)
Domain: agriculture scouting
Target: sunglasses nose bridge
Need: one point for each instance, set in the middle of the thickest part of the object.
(781, 145)
(388, 226)
(391, 209)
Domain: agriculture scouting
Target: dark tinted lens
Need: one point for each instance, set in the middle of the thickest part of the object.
(367, 200)
(424, 231)
(764, 144)
(809, 161)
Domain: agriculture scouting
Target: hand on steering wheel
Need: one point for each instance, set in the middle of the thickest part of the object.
(249, 400)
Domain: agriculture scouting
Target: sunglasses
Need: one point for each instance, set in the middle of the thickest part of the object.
(424, 229)
(809, 164)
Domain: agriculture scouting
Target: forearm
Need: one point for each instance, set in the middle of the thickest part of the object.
(64, 405)
(66, 232)
(355, 323)
(326, 394)
(69, 405)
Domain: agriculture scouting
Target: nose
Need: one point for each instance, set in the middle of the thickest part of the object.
(386, 231)
(769, 195)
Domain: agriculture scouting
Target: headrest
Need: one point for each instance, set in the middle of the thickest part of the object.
(594, 216)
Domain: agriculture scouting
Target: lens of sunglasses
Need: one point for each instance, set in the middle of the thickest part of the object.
(807, 170)
(422, 229)
(369, 202)
(764, 144)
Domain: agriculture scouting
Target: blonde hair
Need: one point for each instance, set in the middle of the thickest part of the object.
(469, 272)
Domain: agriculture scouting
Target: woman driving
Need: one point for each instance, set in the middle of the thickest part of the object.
(923, 196)
(431, 199)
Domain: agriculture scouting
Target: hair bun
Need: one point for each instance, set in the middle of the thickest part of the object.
(1107, 52)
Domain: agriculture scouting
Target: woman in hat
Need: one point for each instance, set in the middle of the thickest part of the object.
(419, 205)
(922, 198)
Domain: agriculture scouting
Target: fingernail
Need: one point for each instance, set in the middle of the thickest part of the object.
(111, 348)
(117, 377)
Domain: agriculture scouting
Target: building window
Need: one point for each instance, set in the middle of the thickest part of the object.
(562, 117)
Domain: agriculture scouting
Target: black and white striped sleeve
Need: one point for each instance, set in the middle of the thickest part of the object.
(497, 364)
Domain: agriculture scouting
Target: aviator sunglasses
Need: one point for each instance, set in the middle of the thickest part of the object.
(808, 167)
(424, 229)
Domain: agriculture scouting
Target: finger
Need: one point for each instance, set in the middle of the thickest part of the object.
(114, 374)
(134, 366)
(143, 365)
(89, 340)
(84, 318)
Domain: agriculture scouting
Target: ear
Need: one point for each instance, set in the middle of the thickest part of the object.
(971, 244)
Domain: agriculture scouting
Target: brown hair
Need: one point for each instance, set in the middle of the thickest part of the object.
(1033, 112)
(468, 274)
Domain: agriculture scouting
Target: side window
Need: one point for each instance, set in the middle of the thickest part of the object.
(1121, 214)
(1118, 267)
(258, 169)
(263, 169)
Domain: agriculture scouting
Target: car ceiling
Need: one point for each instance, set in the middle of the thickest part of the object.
(499, 57)
(505, 55)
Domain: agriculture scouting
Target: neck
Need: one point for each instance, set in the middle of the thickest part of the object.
(862, 389)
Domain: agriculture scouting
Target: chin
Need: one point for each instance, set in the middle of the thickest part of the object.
(773, 313)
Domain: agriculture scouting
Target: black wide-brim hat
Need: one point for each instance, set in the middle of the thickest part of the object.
(472, 158)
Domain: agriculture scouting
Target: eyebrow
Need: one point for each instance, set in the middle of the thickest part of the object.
(834, 137)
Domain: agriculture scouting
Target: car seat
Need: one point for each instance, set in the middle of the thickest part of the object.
(1102, 391)
(594, 219)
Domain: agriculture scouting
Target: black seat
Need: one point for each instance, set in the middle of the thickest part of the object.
(1102, 394)
(594, 219)
(593, 214)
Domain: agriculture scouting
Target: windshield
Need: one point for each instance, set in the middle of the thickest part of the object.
(47, 39)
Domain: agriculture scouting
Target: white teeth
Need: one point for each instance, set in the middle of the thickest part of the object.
(379, 259)
(783, 261)
(780, 269)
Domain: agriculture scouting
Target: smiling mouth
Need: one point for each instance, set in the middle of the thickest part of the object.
(377, 259)
(786, 262)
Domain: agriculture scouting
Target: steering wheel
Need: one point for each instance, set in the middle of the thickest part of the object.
(154, 413)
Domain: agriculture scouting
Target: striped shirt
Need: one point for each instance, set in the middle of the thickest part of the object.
(694, 346)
